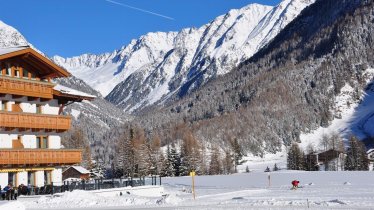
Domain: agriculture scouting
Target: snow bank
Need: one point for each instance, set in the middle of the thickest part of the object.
(13, 205)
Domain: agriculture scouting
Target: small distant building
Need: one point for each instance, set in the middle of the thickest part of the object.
(330, 160)
(77, 172)
(370, 154)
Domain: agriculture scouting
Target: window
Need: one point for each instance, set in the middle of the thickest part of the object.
(31, 178)
(17, 73)
(47, 177)
(42, 142)
(25, 74)
(33, 76)
(12, 178)
(4, 106)
(8, 70)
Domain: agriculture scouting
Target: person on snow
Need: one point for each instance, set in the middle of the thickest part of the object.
(295, 184)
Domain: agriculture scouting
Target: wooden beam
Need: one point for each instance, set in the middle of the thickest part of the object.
(45, 99)
(39, 67)
(17, 96)
(30, 98)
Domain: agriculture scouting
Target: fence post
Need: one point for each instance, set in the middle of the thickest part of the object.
(132, 182)
(52, 188)
(160, 180)
(120, 182)
(112, 182)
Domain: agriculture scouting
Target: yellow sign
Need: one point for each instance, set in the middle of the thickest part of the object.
(192, 174)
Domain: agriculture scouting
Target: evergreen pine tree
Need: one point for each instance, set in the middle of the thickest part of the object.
(167, 168)
(228, 163)
(295, 158)
(238, 154)
(175, 160)
(215, 166)
(356, 156)
(275, 168)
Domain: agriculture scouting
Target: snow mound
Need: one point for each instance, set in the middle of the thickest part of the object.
(347, 183)
(173, 199)
(14, 205)
(80, 199)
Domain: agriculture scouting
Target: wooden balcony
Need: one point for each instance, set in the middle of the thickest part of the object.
(13, 120)
(25, 87)
(40, 156)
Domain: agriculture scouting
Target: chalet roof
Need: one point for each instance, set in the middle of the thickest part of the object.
(29, 55)
(7, 50)
(80, 169)
(370, 151)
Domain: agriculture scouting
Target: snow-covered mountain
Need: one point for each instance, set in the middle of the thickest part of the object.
(159, 65)
(9, 36)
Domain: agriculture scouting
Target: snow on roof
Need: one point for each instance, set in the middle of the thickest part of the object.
(80, 169)
(370, 151)
(7, 50)
(71, 91)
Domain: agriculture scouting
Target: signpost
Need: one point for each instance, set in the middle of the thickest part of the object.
(192, 174)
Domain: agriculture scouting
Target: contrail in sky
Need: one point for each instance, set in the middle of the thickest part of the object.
(141, 10)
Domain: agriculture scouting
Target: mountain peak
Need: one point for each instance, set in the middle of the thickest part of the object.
(10, 37)
(159, 65)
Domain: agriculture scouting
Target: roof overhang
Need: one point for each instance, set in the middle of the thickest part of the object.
(49, 68)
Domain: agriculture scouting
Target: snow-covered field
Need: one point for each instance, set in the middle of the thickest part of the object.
(320, 190)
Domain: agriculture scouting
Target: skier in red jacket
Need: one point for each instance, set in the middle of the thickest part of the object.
(295, 184)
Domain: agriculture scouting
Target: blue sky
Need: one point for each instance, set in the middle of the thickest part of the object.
(74, 27)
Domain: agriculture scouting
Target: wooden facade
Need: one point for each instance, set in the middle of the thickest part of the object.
(39, 156)
(30, 119)
(13, 120)
(23, 87)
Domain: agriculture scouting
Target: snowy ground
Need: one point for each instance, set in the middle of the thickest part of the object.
(320, 190)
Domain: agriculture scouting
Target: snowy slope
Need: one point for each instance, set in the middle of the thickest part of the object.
(353, 116)
(10, 37)
(318, 190)
(159, 65)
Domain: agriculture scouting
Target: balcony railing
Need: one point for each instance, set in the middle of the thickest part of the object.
(34, 121)
(39, 156)
(25, 87)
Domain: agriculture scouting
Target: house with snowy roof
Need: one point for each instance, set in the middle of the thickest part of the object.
(330, 160)
(76, 172)
(370, 154)
(32, 120)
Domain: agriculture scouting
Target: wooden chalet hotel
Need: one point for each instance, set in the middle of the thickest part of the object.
(31, 120)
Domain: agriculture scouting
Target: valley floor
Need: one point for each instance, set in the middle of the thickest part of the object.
(319, 190)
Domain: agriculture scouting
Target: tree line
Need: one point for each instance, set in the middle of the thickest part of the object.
(352, 158)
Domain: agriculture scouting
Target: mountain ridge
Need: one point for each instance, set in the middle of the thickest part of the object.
(166, 65)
